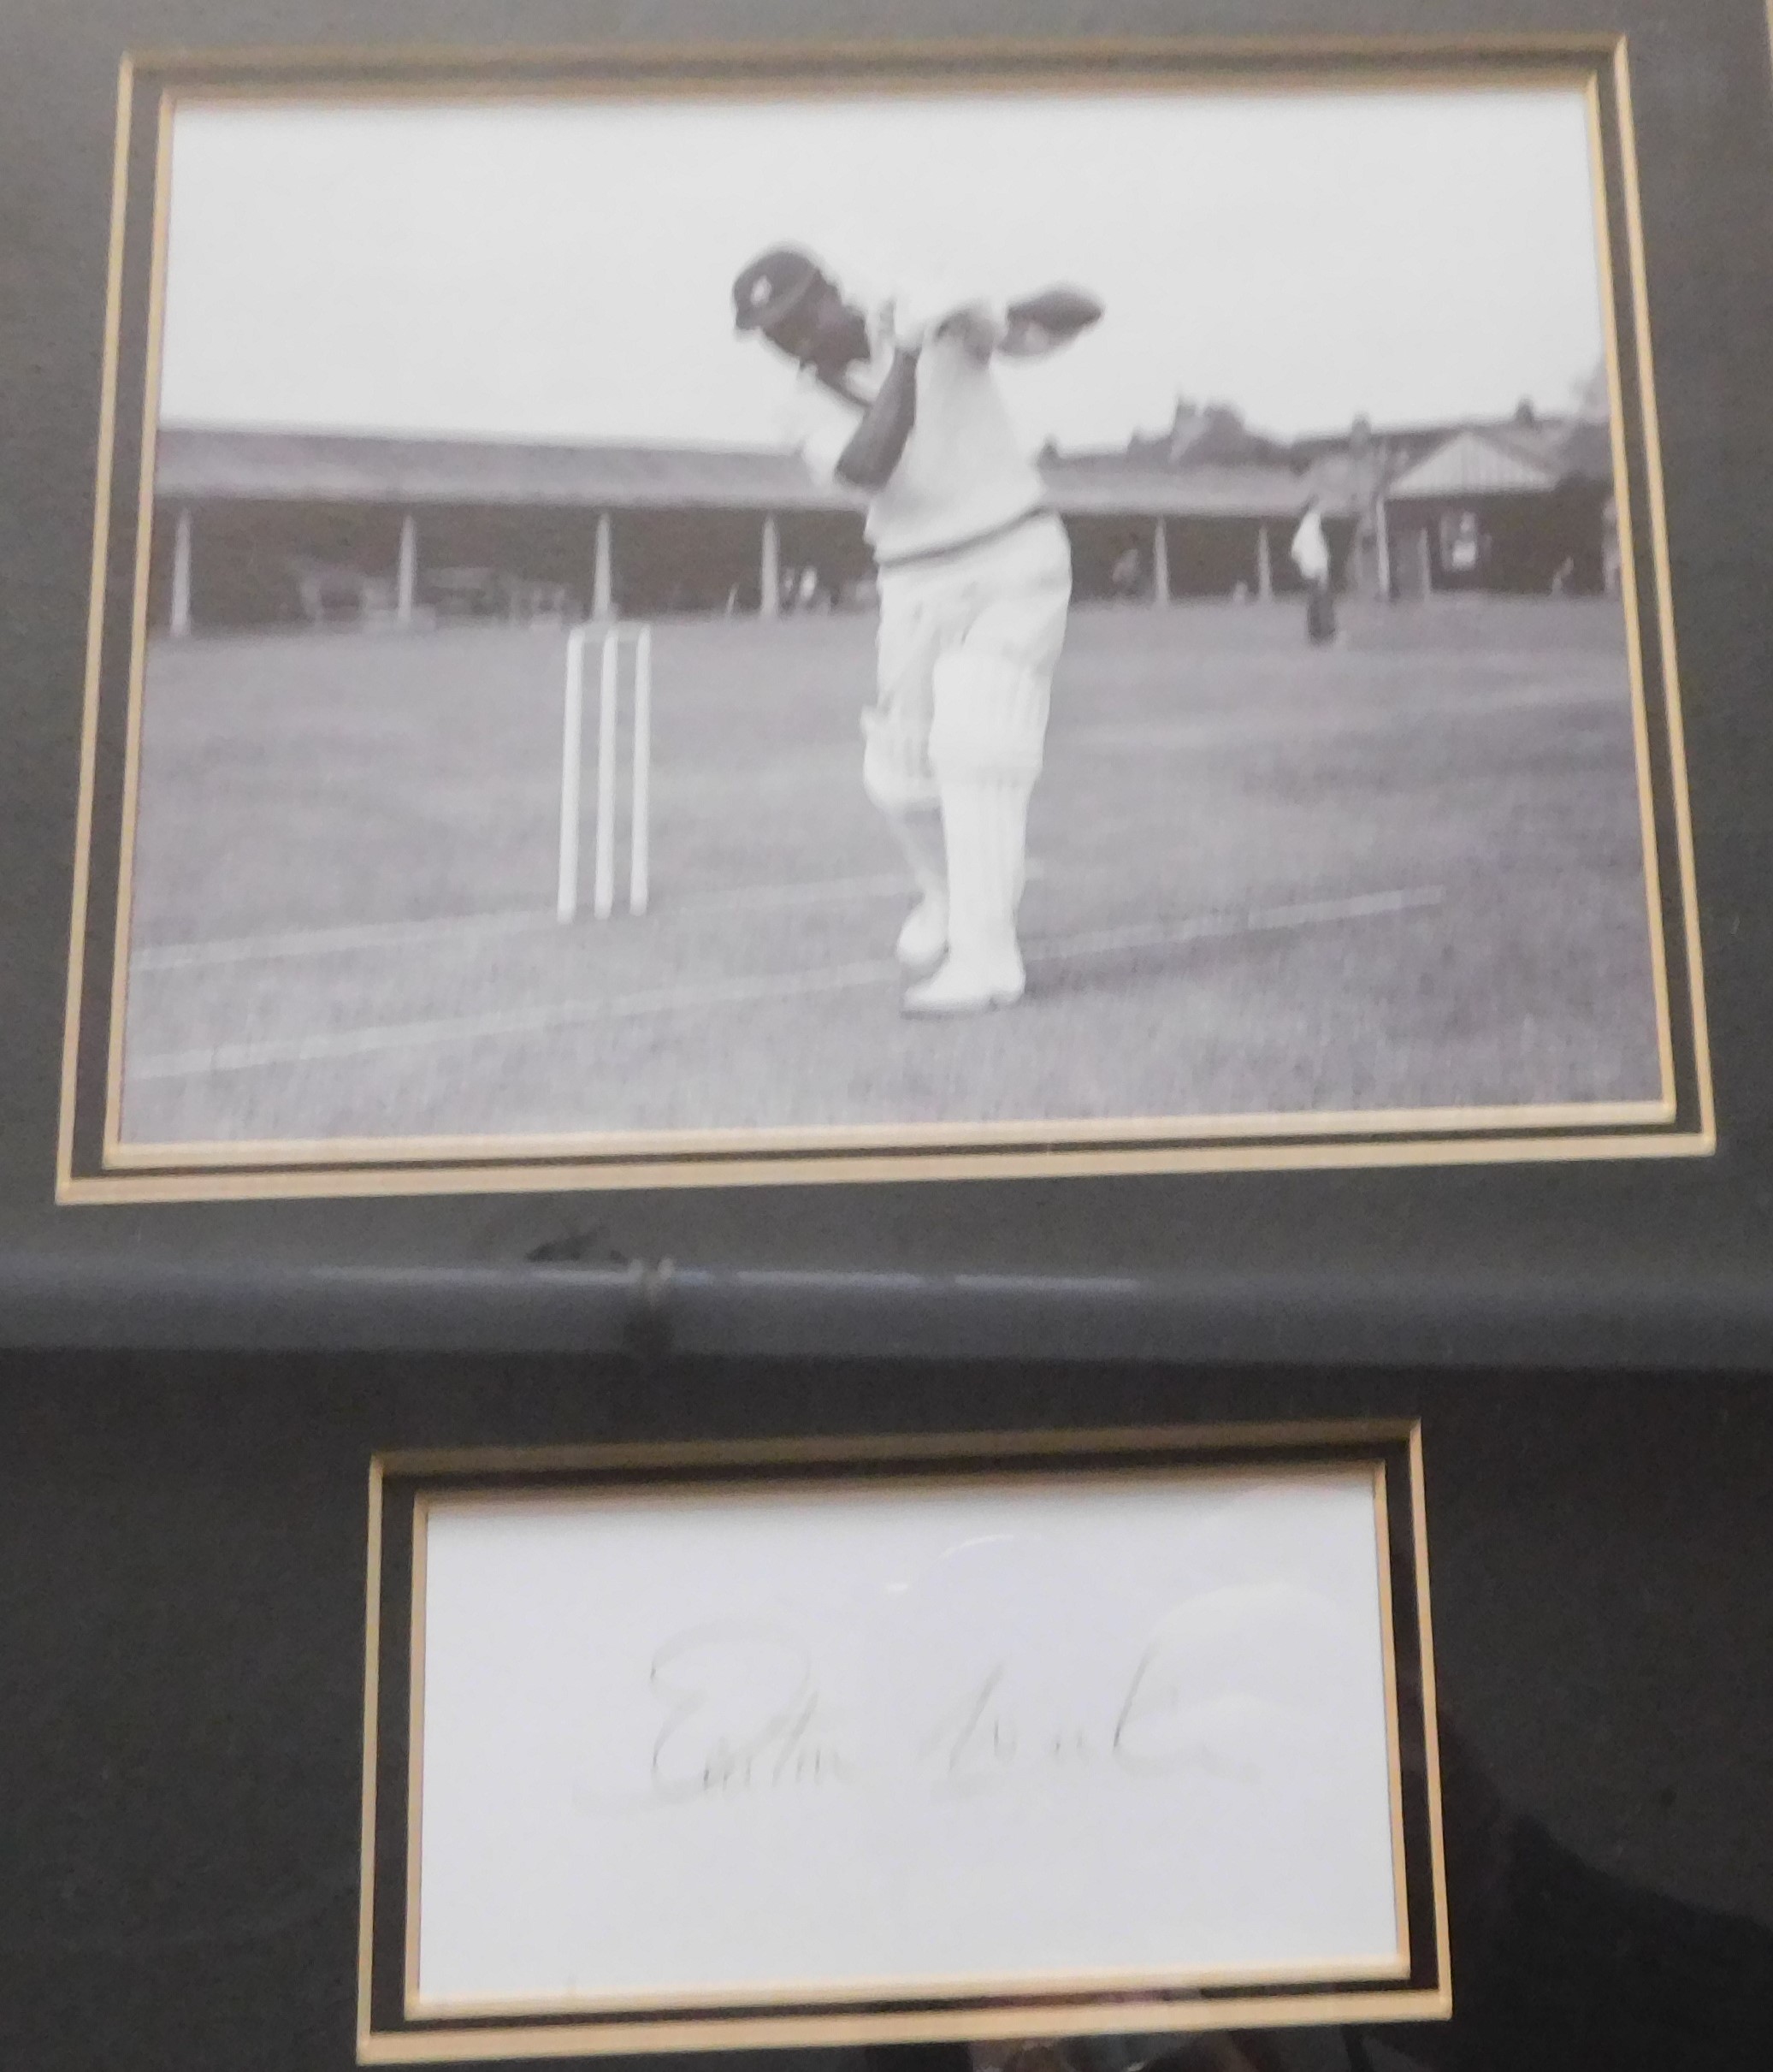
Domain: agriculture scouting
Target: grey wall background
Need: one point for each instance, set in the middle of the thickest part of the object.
(181, 1532)
(1571, 1263)
(181, 1605)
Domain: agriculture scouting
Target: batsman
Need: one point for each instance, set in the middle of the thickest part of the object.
(898, 397)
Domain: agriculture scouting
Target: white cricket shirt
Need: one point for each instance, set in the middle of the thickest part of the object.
(963, 472)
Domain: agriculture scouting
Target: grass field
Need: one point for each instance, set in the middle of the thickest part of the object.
(1403, 873)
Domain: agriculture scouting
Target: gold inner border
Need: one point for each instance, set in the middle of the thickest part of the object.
(1651, 420)
(1430, 1709)
(337, 1166)
(109, 377)
(327, 1183)
(416, 1741)
(139, 632)
(1394, 1748)
(1629, 597)
(673, 2028)
(937, 1136)
(847, 52)
(372, 1730)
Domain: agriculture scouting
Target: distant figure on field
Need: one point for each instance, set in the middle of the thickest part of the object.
(898, 399)
(1310, 552)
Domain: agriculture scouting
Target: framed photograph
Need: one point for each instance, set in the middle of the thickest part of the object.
(808, 614)
(772, 1745)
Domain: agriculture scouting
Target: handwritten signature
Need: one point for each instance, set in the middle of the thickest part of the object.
(743, 1713)
(742, 1710)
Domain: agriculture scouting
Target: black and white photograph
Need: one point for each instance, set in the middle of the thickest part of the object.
(1068, 625)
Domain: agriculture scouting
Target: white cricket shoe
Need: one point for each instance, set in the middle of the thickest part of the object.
(923, 941)
(970, 985)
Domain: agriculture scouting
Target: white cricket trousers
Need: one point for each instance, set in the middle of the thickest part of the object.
(966, 650)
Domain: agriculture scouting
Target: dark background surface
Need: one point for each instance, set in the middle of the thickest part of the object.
(181, 1534)
(1654, 1261)
(181, 1619)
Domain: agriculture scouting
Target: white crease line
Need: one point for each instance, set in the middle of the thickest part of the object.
(315, 942)
(375, 935)
(1214, 729)
(525, 1022)
(1155, 935)
(737, 992)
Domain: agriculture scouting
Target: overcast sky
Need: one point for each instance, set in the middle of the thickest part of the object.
(562, 269)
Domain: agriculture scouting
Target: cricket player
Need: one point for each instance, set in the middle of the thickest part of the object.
(898, 397)
(1310, 552)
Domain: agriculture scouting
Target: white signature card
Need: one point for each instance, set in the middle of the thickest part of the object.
(739, 1745)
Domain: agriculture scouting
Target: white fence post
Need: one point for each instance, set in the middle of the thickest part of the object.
(572, 732)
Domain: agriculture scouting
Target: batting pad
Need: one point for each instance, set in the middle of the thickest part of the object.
(894, 773)
(990, 721)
